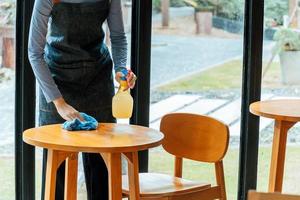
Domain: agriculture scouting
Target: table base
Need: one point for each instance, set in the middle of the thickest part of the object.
(114, 166)
(54, 160)
(278, 154)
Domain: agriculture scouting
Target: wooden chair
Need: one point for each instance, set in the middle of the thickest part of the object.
(253, 195)
(190, 136)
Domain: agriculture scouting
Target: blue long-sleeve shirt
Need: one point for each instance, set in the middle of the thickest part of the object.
(38, 38)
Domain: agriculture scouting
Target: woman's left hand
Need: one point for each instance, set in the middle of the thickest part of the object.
(131, 78)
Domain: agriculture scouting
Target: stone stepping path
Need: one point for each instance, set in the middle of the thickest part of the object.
(203, 106)
(264, 122)
(170, 104)
(236, 127)
(199, 106)
(224, 110)
(227, 111)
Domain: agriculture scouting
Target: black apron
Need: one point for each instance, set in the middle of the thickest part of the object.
(81, 66)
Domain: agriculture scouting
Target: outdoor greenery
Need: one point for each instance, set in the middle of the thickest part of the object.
(274, 11)
(156, 5)
(230, 9)
(163, 162)
(173, 3)
(286, 40)
(201, 5)
(227, 74)
(234, 9)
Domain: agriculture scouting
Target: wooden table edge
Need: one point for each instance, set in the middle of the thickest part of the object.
(272, 116)
(94, 149)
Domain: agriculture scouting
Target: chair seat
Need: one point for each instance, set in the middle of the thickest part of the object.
(162, 185)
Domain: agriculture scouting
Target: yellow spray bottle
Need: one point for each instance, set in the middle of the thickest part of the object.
(122, 102)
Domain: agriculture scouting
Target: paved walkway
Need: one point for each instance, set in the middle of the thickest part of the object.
(175, 56)
(226, 111)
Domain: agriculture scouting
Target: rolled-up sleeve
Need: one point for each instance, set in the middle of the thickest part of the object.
(36, 46)
(117, 35)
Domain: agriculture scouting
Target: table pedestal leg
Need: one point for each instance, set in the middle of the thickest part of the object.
(278, 155)
(133, 175)
(71, 177)
(113, 164)
(54, 160)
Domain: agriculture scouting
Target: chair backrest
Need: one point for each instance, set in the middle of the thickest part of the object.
(195, 137)
(252, 195)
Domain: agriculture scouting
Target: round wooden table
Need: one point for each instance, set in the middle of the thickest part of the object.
(110, 140)
(286, 114)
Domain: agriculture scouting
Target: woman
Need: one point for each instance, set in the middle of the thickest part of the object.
(74, 71)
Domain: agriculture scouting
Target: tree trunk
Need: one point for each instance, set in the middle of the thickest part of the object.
(8, 53)
(293, 4)
(165, 4)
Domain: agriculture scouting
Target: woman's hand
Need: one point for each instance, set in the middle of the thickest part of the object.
(131, 78)
(66, 111)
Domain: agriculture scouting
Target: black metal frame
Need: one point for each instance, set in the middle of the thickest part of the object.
(140, 63)
(251, 91)
(24, 106)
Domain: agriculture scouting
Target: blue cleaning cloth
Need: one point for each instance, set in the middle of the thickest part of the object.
(89, 123)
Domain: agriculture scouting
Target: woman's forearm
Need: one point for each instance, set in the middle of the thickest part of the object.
(117, 34)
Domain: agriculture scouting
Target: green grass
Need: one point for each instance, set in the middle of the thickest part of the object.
(6, 178)
(162, 162)
(224, 76)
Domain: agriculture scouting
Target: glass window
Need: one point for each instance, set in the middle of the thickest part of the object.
(280, 80)
(7, 92)
(197, 49)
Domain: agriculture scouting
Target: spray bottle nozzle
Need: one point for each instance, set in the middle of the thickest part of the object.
(125, 73)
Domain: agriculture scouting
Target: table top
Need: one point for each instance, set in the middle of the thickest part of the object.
(283, 109)
(109, 137)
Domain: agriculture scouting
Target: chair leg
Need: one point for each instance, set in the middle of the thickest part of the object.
(220, 178)
(133, 175)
